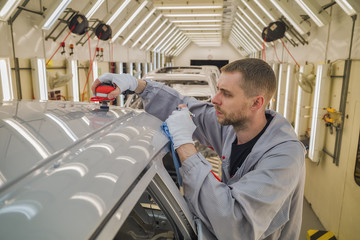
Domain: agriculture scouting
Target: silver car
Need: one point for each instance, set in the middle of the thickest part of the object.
(75, 171)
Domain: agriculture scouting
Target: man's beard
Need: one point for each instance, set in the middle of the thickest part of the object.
(239, 122)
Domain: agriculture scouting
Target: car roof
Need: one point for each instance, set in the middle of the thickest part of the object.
(61, 159)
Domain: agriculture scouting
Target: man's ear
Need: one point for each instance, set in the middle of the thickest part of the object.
(258, 102)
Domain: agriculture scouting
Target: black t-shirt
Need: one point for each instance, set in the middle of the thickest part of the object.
(240, 152)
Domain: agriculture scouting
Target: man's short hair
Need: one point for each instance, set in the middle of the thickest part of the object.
(258, 77)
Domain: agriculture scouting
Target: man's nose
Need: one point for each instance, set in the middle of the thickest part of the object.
(215, 99)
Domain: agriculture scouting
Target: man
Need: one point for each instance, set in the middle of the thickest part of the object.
(260, 195)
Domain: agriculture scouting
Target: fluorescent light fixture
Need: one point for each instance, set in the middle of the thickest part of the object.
(146, 68)
(351, 7)
(194, 15)
(263, 6)
(95, 70)
(6, 81)
(121, 67)
(181, 26)
(53, 13)
(201, 29)
(148, 29)
(239, 24)
(119, 9)
(280, 98)
(159, 59)
(290, 92)
(246, 47)
(247, 24)
(188, 7)
(154, 59)
(244, 39)
(241, 42)
(171, 41)
(292, 16)
(168, 37)
(176, 53)
(249, 18)
(314, 10)
(196, 21)
(177, 45)
(180, 45)
(39, 78)
(93, 8)
(131, 69)
(157, 38)
(203, 33)
(139, 26)
(126, 24)
(321, 101)
(235, 45)
(39, 147)
(175, 40)
(139, 71)
(253, 11)
(302, 106)
(75, 80)
(245, 32)
(63, 126)
(7, 8)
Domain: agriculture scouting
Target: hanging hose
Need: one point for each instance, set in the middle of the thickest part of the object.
(177, 163)
(91, 64)
(263, 56)
(276, 53)
(61, 44)
(290, 53)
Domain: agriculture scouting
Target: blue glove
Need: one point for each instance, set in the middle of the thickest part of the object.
(123, 81)
(181, 127)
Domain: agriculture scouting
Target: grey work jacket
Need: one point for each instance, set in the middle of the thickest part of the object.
(264, 199)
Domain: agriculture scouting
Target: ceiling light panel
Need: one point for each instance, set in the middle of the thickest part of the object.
(173, 42)
(185, 4)
(241, 43)
(291, 15)
(148, 29)
(7, 8)
(119, 7)
(245, 32)
(160, 35)
(177, 45)
(250, 19)
(351, 7)
(129, 20)
(166, 39)
(139, 26)
(91, 8)
(314, 10)
(267, 8)
(53, 13)
(253, 9)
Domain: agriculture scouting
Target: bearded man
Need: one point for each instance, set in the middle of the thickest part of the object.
(260, 195)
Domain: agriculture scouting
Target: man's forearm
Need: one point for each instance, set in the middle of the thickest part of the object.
(141, 86)
(185, 151)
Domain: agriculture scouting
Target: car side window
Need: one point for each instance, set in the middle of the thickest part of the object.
(147, 221)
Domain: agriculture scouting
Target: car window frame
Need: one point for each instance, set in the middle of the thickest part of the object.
(150, 179)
